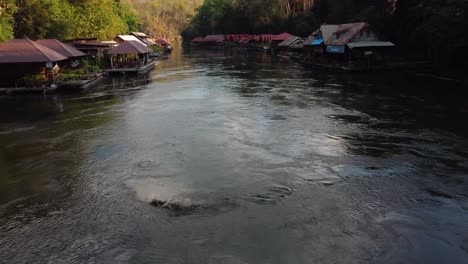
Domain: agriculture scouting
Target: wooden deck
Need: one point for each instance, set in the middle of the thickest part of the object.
(140, 71)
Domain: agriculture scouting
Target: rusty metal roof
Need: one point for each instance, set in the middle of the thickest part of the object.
(61, 48)
(27, 51)
(344, 33)
(130, 47)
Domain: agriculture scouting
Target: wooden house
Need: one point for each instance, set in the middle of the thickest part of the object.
(143, 37)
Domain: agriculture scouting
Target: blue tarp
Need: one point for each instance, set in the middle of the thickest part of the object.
(317, 42)
(336, 49)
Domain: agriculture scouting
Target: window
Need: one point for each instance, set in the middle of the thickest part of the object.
(368, 33)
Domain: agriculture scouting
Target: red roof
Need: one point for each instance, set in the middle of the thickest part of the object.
(214, 38)
(163, 42)
(27, 51)
(198, 39)
(130, 47)
(345, 33)
(281, 37)
(61, 48)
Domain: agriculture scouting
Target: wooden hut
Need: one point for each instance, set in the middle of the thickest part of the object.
(24, 57)
(131, 57)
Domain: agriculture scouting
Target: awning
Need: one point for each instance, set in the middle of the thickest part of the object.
(317, 42)
(365, 44)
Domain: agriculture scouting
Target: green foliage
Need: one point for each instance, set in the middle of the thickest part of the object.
(67, 19)
(6, 21)
(164, 18)
(156, 48)
(34, 80)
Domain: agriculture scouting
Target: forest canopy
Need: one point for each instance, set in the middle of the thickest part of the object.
(102, 19)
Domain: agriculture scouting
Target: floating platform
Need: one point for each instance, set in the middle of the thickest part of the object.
(28, 90)
(139, 71)
(82, 84)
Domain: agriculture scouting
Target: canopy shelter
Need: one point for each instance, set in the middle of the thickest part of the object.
(288, 42)
(129, 54)
(369, 44)
(61, 48)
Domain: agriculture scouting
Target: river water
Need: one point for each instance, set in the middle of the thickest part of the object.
(260, 160)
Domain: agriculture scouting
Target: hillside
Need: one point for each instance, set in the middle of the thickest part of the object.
(164, 18)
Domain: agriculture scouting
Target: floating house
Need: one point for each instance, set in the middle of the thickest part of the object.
(350, 47)
(71, 53)
(211, 40)
(20, 58)
(314, 46)
(130, 57)
(123, 38)
(277, 39)
(92, 47)
(143, 37)
(197, 40)
(165, 44)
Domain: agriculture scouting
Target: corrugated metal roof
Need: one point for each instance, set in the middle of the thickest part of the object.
(130, 47)
(344, 33)
(27, 51)
(61, 48)
(328, 30)
(121, 38)
(363, 44)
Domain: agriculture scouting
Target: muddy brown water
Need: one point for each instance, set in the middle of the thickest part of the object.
(260, 160)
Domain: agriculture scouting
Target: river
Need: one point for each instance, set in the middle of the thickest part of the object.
(260, 160)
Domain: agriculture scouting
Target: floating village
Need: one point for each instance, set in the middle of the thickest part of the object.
(48, 64)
